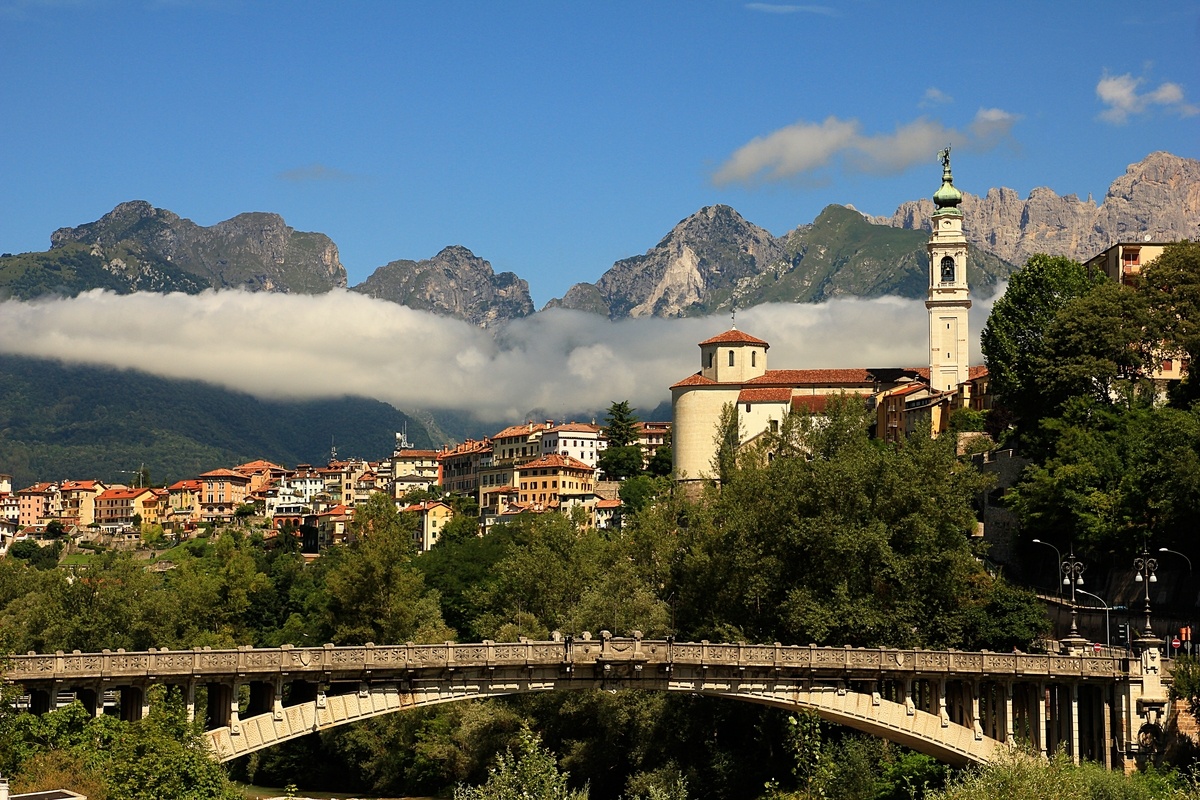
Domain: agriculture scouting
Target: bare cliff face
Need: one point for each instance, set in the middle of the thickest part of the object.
(1158, 197)
(705, 255)
(256, 251)
(454, 283)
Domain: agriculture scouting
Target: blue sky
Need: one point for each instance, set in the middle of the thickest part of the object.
(553, 138)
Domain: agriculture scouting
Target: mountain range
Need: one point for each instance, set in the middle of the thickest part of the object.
(712, 260)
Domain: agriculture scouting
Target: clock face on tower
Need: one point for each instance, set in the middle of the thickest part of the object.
(947, 269)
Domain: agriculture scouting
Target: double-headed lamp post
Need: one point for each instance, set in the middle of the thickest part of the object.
(1144, 567)
(1072, 571)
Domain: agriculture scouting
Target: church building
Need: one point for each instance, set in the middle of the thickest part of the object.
(733, 365)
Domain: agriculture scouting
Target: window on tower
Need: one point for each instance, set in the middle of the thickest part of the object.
(731, 358)
(947, 269)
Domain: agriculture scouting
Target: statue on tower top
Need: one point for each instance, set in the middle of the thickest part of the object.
(947, 197)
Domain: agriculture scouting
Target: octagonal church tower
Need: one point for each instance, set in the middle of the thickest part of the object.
(948, 300)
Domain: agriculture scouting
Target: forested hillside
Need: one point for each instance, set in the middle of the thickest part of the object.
(59, 421)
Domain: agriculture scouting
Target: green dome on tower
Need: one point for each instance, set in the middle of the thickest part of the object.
(947, 197)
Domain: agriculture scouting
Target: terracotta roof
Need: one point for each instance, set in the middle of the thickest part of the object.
(524, 429)
(813, 377)
(466, 448)
(555, 461)
(223, 473)
(812, 403)
(418, 454)
(67, 486)
(575, 427)
(260, 464)
(424, 505)
(977, 372)
(37, 488)
(122, 494)
(734, 336)
(696, 380)
(608, 504)
(772, 395)
(186, 484)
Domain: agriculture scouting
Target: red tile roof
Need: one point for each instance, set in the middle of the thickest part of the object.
(555, 461)
(524, 429)
(814, 377)
(575, 427)
(734, 336)
(696, 380)
(772, 395)
(223, 473)
(418, 454)
(608, 504)
(980, 371)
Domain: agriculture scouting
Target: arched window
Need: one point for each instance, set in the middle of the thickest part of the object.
(753, 358)
(731, 358)
(947, 269)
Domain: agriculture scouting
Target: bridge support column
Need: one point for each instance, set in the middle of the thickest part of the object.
(1041, 711)
(222, 706)
(92, 699)
(39, 701)
(1074, 690)
(909, 707)
(1009, 737)
(135, 703)
(940, 689)
(189, 700)
(976, 709)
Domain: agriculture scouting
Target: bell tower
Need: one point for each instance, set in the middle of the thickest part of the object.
(948, 299)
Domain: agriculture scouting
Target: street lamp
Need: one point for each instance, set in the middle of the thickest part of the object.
(1072, 570)
(1144, 567)
(1057, 556)
(1107, 608)
(1176, 552)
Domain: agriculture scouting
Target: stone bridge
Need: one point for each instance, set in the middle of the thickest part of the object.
(959, 707)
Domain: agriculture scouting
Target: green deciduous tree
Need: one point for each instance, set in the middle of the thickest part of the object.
(620, 463)
(530, 772)
(1171, 285)
(374, 592)
(1014, 339)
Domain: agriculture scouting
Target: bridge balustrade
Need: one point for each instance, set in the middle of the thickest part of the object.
(952, 703)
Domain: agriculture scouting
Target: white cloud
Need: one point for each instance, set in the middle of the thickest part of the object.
(935, 97)
(776, 8)
(805, 148)
(556, 362)
(315, 173)
(1120, 93)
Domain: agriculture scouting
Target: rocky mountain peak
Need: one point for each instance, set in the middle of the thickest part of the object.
(454, 283)
(1157, 197)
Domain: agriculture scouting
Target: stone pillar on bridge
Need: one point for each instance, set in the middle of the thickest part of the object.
(1074, 693)
(1009, 737)
(91, 698)
(41, 700)
(222, 708)
(134, 702)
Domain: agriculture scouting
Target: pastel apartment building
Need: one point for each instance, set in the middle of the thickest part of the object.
(223, 491)
(79, 502)
(432, 516)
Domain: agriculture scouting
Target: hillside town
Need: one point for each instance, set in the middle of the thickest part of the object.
(527, 468)
(544, 467)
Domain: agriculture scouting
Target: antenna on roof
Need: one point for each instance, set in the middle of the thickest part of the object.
(733, 315)
(332, 451)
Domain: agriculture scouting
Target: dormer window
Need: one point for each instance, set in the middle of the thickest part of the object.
(947, 269)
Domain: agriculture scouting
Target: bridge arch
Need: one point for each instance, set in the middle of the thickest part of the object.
(959, 707)
(917, 729)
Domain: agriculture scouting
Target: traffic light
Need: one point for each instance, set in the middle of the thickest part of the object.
(1123, 633)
